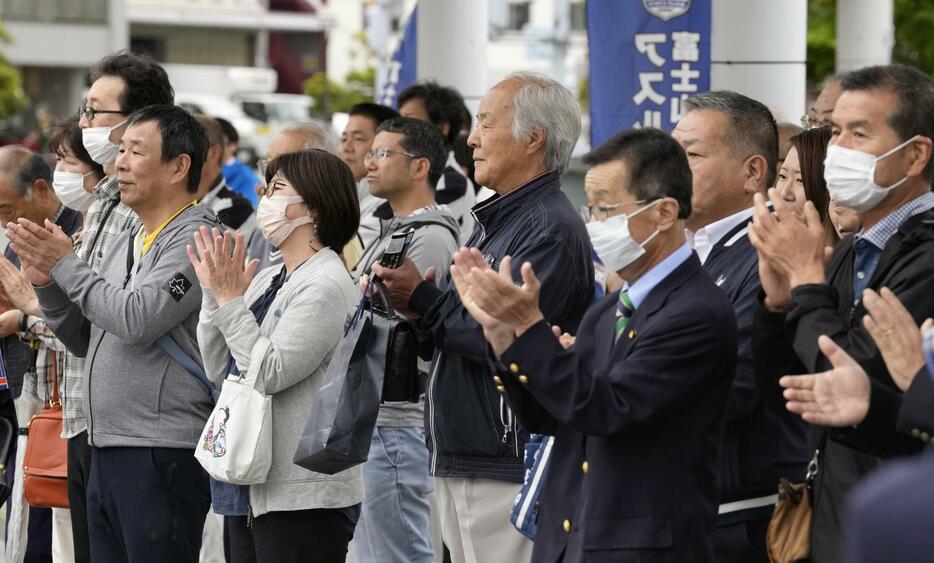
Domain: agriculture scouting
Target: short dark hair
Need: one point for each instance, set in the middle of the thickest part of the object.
(752, 129)
(378, 113)
(326, 184)
(914, 114)
(147, 83)
(67, 134)
(230, 132)
(658, 166)
(181, 134)
(811, 145)
(421, 139)
(214, 132)
(443, 104)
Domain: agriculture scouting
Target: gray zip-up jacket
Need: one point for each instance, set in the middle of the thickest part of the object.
(433, 244)
(290, 350)
(135, 393)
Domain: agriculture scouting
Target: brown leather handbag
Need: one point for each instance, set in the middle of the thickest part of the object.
(788, 538)
(45, 466)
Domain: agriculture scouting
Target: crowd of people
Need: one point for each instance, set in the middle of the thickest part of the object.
(741, 307)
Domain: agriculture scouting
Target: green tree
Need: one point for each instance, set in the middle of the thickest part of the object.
(913, 20)
(331, 97)
(12, 98)
(822, 40)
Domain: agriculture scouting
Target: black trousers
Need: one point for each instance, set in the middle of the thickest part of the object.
(300, 536)
(742, 542)
(146, 504)
(79, 469)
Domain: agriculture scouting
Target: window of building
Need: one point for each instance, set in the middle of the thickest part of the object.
(519, 15)
(579, 16)
(55, 11)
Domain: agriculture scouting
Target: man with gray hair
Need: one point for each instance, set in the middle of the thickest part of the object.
(293, 138)
(25, 192)
(528, 125)
(732, 146)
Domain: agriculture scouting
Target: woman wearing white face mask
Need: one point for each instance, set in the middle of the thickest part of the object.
(76, 173)
(281, 328)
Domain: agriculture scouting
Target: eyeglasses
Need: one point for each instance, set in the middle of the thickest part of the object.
(89, 113)
(384, 153)
(809, 122)
(602, 212)
(277, 183)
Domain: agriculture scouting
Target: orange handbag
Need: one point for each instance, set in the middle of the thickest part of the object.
(45, 467)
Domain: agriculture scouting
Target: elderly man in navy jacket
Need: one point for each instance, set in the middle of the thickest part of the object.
(527, 127)
(637, 405)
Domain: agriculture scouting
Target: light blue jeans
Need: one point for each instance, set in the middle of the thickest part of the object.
(394, 524)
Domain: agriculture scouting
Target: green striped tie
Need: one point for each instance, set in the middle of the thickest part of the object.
(624, 310)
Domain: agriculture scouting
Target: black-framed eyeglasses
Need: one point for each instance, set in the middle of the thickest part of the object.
(89, 113)
(384, 153)
(602, 212)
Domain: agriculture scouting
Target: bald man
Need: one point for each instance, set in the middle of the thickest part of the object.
(294, 138)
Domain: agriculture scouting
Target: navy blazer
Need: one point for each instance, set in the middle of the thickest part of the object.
(889, 516)
(634, 474)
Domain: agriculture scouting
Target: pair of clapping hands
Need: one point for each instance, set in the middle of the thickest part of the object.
(39, 249)
(504, 310)
(840, 397)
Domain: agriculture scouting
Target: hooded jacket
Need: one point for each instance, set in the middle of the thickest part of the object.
(135, 394)
(471, 431)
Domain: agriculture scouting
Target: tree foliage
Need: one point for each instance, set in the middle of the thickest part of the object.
(331, 97)
(913, 19)
(12, 98)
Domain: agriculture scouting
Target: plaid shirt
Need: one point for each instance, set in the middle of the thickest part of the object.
(107, 217)
(868, 245)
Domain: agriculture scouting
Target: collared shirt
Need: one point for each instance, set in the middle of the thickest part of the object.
(639, 290)
(107, 217)
(868, 245)
(705, 238)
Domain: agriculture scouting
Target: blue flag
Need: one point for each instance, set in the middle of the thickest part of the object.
(402, 65)
(646, 58)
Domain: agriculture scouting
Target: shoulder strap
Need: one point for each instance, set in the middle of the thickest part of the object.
(450, 228)
(173, 349)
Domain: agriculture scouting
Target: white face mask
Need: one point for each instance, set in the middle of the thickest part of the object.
(271, 219)
(614, 244)
(851, 177)
(69, 187)
(96, 141)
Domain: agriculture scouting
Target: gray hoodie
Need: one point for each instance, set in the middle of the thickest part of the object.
(135, 394)
(434, 243)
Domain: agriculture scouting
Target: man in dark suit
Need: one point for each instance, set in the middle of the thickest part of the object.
(637, 405)
(731, 142)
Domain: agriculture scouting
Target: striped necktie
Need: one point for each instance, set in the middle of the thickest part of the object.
(624, 310)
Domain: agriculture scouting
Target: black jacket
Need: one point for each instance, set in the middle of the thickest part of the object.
(787, 344)
(638, 423)
(763, 442)
(470, 430)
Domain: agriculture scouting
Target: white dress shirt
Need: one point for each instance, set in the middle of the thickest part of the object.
(705, 238)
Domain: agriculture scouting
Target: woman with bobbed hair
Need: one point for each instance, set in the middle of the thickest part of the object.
(282, 327)
(801, 179)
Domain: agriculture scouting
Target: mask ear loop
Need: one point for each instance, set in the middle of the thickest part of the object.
(887, 154)
(657, 231)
